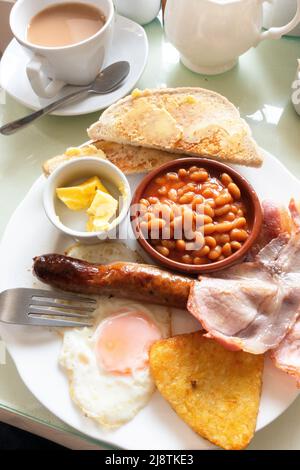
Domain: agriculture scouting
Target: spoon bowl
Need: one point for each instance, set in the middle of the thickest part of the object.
(107, 81)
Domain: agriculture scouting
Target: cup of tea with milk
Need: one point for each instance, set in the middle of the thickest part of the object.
(68, 41)
(210, 35)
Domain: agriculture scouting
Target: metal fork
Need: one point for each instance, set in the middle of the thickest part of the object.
(37, 307)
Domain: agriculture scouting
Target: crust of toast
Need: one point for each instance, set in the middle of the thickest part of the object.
(190, 121)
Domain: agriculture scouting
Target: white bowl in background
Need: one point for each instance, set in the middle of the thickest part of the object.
(140, 11)
(73, 223)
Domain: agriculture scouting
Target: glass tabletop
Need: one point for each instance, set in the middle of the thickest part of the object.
(260, 86)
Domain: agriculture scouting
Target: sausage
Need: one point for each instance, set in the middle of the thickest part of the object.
(129, 280)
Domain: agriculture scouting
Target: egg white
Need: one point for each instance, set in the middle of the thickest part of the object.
(108, 251)
(110, 399)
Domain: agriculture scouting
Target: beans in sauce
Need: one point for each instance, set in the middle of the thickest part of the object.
(194, 218)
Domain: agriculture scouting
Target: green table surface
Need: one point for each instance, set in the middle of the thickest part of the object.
(260, 86)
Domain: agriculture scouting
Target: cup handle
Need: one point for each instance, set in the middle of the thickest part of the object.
(40, 83)
(277, 33)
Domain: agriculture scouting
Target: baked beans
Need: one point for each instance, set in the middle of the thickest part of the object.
(192, 217)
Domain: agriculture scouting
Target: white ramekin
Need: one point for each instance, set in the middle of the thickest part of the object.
(83, 168)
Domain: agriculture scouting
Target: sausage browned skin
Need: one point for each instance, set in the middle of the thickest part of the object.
(129, 280)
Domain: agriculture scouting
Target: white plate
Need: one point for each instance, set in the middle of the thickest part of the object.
(35, 350)
(129, 43)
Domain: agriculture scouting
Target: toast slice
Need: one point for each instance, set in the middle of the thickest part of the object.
(133, 159)
(130, 159)
(71, 153)
(190, 121)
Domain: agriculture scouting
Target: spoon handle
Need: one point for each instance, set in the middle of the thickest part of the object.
(14, 126)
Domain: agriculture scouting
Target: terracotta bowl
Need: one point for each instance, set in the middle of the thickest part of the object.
(248, 195)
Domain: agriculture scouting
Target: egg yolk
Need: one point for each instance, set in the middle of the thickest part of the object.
(123, 342)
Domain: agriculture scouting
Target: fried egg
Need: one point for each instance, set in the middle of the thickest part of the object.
(109, 251)
(108, 364)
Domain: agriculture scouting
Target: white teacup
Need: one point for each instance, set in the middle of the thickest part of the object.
(53, 67)
(211, 34)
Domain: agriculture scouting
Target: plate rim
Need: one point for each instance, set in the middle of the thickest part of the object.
(106, 444)
(93, 109)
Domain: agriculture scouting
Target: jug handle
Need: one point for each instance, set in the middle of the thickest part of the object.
(277, 33)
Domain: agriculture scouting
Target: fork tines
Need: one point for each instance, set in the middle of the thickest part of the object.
(45, 304)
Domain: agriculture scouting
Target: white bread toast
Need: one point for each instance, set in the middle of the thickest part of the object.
(130, 159)
(190, 121)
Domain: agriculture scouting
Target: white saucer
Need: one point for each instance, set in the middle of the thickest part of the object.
(129, 43)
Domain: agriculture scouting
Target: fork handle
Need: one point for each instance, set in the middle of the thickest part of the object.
(14, 126)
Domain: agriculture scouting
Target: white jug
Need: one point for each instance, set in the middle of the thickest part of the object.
(211, 34)
(279, 12)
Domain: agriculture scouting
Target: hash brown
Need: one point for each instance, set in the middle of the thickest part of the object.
(215, 391)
